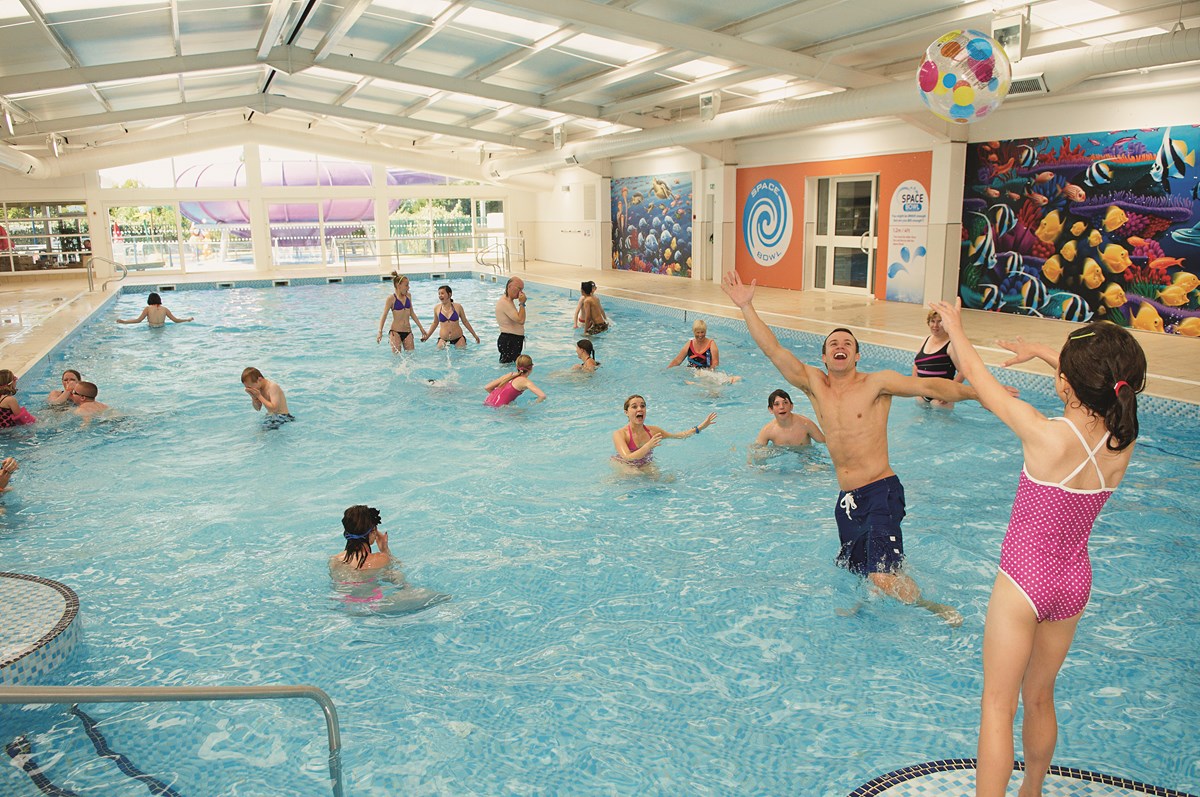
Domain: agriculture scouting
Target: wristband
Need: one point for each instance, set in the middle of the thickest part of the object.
(697, 428)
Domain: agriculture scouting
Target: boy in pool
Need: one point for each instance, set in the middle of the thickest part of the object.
(787, 428)
(155, 314)
(852, 408)
(265, 393)
(83, 396)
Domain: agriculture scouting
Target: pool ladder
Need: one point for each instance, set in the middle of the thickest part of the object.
(116, 267)
(20, 695)
(503, 262)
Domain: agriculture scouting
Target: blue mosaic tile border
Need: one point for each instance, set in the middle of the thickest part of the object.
(286, 282)
(880, 785)
(53, 648)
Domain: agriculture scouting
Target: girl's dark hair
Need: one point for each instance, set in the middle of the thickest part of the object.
(586, 288)
(1107, 369)
(154, 298)
(587, 347)
(8, 381)
(78, 376)
(449, 291)
(357, 524)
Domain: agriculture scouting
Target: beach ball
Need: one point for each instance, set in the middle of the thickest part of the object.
(964, 76)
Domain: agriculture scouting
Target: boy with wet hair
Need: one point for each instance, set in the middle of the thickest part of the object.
(265, 393)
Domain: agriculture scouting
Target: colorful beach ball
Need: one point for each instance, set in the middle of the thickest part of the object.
(964, 76)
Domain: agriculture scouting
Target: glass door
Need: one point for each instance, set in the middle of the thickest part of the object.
(844, 239)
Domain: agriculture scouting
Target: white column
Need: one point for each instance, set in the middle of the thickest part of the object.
(945, 220)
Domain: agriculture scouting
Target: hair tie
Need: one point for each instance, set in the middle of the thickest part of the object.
(1117, 386)
(350, 536)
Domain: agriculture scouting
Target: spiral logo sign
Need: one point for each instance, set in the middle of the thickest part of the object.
(767, 222)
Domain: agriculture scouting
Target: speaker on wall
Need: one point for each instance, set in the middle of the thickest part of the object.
(710, 106)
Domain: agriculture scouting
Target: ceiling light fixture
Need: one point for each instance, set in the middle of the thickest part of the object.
(8, 122)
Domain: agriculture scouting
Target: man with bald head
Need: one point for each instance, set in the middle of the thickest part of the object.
(510, 317)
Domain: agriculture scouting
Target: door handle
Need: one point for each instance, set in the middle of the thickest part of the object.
(861, 245)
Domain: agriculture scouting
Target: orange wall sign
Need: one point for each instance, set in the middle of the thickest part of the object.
(770, 232)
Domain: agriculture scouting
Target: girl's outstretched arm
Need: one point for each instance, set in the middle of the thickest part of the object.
(1016, 414)
(1024, 352)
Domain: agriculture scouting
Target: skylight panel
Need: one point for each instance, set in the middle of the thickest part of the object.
(420, 8)
(406, 88)
(696, 69)
(64, 6)
(491, 22)
(481, 102)
(607, 49)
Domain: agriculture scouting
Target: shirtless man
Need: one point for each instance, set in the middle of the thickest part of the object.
(155, 313)
(510, 317)
(265, 393)
(852, 409)
(787, 428)
(83, 396)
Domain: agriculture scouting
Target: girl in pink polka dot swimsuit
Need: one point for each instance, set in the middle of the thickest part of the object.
(1072, 465)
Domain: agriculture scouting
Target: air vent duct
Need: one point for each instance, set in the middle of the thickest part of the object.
(1034, 84)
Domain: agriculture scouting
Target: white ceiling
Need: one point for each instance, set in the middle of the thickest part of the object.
(443, 77)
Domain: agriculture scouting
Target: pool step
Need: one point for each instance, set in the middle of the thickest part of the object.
(74, 759)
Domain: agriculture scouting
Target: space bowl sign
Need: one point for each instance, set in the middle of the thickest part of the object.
(767, 222)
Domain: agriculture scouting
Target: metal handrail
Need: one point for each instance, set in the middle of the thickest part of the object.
(501, 266)
(17, 695)
(115, 265)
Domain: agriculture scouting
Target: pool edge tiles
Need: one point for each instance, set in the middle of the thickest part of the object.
(954, 776)
(46, 612)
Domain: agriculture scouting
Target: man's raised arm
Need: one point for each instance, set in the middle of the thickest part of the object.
(789, 366)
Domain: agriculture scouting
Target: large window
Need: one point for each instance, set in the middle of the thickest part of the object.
(40, 236)
(145, 236)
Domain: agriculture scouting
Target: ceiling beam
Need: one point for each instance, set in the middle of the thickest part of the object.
(40, 22)
(700, 40)
(269, 103)
(340, 28)
(276, 18)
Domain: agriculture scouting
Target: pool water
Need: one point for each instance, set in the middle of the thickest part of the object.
(606, 634)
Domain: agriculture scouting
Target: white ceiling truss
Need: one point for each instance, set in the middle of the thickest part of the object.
(493, 78)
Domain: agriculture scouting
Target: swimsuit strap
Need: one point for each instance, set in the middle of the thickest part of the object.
(1091, 454)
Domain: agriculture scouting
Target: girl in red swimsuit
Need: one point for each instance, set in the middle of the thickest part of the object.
(11, 412)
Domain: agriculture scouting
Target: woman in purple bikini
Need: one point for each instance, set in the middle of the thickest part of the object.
(399, 304)
(1073, 463)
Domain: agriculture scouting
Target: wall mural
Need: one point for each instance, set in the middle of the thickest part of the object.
(652, 224)
(1093, 226)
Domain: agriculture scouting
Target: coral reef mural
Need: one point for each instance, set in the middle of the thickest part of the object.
(652, 224)
(1099, 225)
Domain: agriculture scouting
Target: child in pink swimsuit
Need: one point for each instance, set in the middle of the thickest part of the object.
(505, 389)
(1072, 466)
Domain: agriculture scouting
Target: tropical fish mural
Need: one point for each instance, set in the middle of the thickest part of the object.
(1091, 226)
(652, 224)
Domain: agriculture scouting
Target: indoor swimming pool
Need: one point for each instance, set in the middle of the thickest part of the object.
(605, 634)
